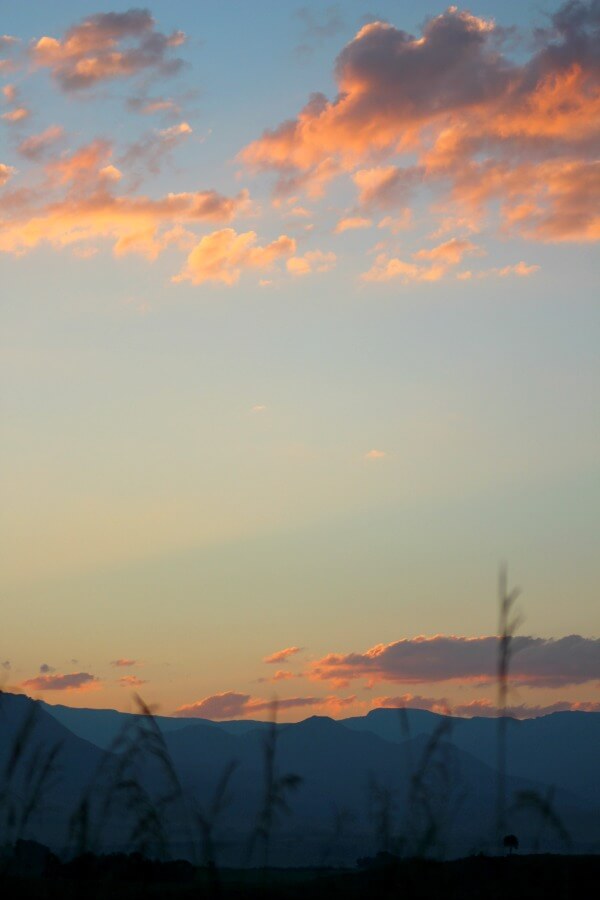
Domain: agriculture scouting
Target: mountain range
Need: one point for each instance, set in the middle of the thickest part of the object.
(320, 791)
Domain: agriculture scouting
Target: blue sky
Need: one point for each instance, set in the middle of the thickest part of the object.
(332, 442)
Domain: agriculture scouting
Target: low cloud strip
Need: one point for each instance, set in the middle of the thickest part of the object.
(549, 662)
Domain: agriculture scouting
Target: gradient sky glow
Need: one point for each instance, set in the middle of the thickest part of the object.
(299, 340)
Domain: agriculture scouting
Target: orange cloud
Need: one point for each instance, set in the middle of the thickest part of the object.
(76, 681)
(442, 258)
(123, 662)
(282, 655)
(352, 223)
(131, 681)
(86, 208)
(222, 255)
(387, 268)
(449, 253)
(477, 122)
(16, 115)
(312, 261)
(106, 46)
(375, 454)
(6, 172)
(333, 705)
(282, 675)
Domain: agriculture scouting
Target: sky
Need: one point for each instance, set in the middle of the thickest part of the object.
(299, 344)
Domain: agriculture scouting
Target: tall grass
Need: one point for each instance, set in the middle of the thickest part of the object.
(507, 626)
(276, 790)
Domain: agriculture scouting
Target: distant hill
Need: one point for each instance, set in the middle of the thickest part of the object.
(365, 782)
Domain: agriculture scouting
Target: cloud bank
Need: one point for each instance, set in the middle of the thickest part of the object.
(539, 662)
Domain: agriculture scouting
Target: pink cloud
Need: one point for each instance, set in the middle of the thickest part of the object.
(35, 146)
(282, 655)
(123, 662)
(231, 705)
(75, 681)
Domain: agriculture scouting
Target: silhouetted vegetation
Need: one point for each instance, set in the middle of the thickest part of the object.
(35, 873)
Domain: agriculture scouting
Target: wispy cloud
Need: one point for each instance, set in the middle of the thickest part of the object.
(483, 707)
(131, 681)
(81, 202)
(37, 145)
(311, 261)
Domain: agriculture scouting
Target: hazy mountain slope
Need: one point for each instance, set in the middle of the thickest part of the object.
(560, 749)
(102, 726)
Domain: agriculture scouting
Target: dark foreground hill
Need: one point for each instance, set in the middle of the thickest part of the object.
(318, 792)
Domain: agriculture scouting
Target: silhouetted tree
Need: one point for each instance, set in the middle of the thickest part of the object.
(510, 842)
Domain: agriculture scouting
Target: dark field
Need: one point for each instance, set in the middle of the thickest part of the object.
(39, 874)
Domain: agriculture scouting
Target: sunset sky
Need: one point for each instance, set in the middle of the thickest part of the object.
(300, 333)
